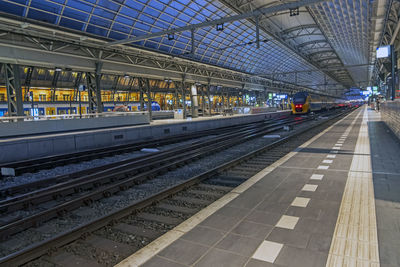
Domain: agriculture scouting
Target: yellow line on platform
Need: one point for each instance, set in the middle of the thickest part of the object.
(355, 240)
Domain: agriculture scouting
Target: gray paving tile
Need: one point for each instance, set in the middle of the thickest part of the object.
(267, 206)
(238, 244)
(203, 235)
(183, 252)
(314, 226)
(268, 218)
(387, 218)
(220, 222)
(258, 263)
(253, 230)
(304, 212)
(221, 258)
(289, 237)
(158, 261)
(232, 212)
(247, 200)
(282, 196)
(389, 254)
(298, 257)
(320, 242)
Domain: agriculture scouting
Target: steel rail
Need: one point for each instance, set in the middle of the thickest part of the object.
(62, 159)
(164, 165)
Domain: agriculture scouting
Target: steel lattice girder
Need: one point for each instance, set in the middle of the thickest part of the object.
(67, 53)
(14, 90)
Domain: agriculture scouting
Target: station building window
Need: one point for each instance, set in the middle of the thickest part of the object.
(42, 97)
(67, 97)
(2, 97)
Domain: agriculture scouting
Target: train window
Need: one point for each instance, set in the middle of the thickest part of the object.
(2, 97)
(299, 99)
(67, 97)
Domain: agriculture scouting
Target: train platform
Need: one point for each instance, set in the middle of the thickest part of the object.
(26, 147)
(332, 202)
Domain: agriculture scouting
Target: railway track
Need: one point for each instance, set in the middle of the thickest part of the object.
(10, 191)
(149, 220)
(48, 162)
(83, 190)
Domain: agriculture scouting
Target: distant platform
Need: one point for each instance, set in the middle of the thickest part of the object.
(60, 142)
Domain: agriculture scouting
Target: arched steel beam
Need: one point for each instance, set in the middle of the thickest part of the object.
(321, 52)
(312, 43)
(300, 27)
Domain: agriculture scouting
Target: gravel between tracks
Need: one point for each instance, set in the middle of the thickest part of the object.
(125, 198)
(70, 168)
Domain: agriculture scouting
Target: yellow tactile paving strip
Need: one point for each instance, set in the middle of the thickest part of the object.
(355, 240)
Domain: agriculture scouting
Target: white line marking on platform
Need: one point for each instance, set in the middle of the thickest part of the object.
(355, 240)
(268, 251)
(287, 222)
(336, 147)
(329, 161)
(323, 167)
(340, 142)
(317, 177)
(310, 187)
(331, 156)
(333, 151)
(300, 202)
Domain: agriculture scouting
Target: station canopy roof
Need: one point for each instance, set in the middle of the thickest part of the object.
(308, 46)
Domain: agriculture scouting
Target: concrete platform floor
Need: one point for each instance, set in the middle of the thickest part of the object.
(317, 206)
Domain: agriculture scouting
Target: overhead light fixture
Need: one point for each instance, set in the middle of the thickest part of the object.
(220, 27)
(167, 80)
(171, 36)
(58, 69)
(197, 83)
(126, 76)
(294, 11)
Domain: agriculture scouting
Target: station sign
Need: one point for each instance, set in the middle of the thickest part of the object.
(383, 51)
(281, 96)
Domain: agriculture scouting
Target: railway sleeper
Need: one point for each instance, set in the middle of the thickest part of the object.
(174, 208)
(138, 231)
(159, 218)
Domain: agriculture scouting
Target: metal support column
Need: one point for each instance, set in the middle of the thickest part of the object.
(98, 76)
(208, 96)
(131, 82)
(141, 96)
(114, 87)
(149, 107)
(54, 82)
(77, 82)
(14, 90)
(91, 87)
(94, 92)
(27, 84)
(203, 103)
(393, 71)
(184, 96)
(176, 99)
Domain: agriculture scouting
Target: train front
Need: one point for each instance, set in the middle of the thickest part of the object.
(300, 103)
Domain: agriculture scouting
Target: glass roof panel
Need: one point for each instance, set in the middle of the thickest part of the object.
(234, 47)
